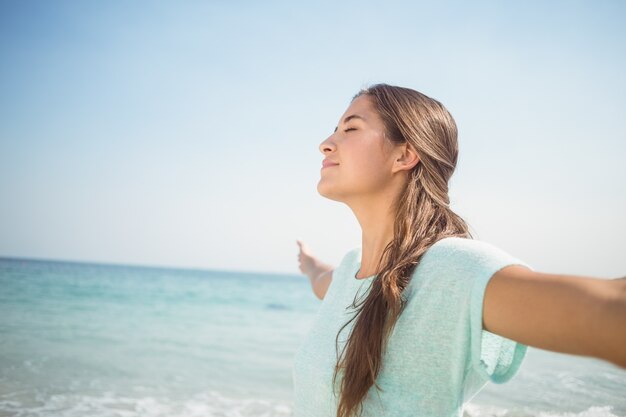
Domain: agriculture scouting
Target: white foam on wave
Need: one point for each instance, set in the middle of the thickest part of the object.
(212, 404)
(605, 411)
(209, 404)
(476, 410)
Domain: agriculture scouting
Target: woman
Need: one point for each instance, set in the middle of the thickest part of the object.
(420, 317)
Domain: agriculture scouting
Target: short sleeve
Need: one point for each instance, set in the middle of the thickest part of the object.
(492, 357)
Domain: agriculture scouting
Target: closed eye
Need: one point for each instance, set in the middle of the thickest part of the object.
(349, 129)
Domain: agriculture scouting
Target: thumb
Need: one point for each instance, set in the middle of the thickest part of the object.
(301, 245)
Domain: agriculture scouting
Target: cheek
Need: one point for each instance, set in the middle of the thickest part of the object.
(372, 171)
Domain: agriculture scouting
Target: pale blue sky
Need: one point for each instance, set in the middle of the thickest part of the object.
(186, 133)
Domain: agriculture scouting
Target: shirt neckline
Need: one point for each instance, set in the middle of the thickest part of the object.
(358, 268)
(357, 271)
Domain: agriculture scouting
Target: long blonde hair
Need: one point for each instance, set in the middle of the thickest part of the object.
(423, 217)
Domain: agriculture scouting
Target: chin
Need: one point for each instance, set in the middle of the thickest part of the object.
(321, 190)
(327, 192)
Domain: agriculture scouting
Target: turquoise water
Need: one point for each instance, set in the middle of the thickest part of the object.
(104, 340)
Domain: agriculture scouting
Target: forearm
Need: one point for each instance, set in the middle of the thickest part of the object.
(319, 272)
(321, 282)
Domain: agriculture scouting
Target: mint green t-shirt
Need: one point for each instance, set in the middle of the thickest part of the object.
(438, 356)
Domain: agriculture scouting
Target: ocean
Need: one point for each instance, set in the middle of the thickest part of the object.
(80, 339)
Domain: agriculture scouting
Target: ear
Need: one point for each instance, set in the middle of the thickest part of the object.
(405, 158)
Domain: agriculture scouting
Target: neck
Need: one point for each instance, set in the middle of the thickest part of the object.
(376, 218)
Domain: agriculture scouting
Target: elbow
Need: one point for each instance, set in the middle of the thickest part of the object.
(615, 317)
(622, 291)
(619, 359)
(621, 364)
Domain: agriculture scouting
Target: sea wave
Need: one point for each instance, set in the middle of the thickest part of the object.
(109, 404)
(477, 410)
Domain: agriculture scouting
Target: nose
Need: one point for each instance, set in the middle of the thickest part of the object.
(327, 145)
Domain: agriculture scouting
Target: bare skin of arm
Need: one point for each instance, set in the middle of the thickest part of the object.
(319, 273)
(562, 313)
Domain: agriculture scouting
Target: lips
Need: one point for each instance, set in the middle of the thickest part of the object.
(328, 163)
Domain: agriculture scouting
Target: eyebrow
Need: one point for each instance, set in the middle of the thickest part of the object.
(348, 118)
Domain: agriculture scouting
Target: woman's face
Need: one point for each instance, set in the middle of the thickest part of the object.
(360, 154)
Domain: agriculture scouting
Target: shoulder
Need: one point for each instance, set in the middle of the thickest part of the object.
(457, 245)
(347, 262)
(463, 253)
(351, 257)
(456, 256)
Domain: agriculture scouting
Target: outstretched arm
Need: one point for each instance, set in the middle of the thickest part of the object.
(319, 273)
(562, 313)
